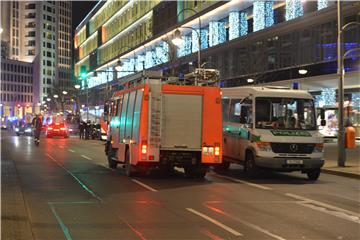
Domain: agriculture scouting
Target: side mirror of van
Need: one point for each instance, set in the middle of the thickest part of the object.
(322, 114)
(243, 114)
(323, 122)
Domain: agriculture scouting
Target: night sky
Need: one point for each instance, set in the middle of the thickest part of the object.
(79, 11)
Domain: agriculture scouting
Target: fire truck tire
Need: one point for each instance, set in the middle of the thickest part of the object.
(129, 169)
(225, 165)
(195, 172)
(110, 155)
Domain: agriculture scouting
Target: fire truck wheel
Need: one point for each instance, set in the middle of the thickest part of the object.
(223, 166)
(110, 155)
(129, 169)
(195, 172)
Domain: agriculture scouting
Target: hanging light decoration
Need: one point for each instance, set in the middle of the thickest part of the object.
(294, 9)
(243, 24)
(329, 96)
(322, 4)
(234, 25)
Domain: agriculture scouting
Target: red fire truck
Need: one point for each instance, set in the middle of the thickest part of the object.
(159, 125)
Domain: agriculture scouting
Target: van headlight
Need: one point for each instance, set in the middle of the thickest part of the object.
(264, 146)
(16, 129)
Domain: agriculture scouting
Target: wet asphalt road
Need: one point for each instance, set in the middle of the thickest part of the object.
(64, 190)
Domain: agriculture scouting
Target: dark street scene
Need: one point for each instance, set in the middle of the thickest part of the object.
(180, 120)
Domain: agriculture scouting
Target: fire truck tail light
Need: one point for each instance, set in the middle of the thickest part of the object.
(151, 157)
(63, 129)
(143, 147)
(217, 151)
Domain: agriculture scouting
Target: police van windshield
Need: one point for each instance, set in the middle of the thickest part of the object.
(285, 113)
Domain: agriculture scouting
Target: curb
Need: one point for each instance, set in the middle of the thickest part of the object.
(341, 173)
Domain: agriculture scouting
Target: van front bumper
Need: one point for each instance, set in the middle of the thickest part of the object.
(289, 164)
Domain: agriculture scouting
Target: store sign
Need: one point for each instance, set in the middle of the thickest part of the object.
(293, 133)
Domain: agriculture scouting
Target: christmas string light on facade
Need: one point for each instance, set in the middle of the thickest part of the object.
(234, 25)
(259, 15)
(293, 9)
(328, 96)
(322, 4)
(243, 24)
(185, 48)
(217, 33)
(149, 59)
(269, 14)
(140, 62)
(204, 38)
(195, 40)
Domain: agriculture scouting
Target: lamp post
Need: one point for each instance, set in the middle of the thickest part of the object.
(177, 36)
(340, 72)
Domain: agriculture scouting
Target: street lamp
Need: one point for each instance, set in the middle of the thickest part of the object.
(56, 96)
(64, 92)
(177, 36)
(77, 86)
(340, 72)
(48, 99)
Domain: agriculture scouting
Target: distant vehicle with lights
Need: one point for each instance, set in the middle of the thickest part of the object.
(271, 128)
(57, 130)
(25, 129)
(3, 124)
(155, 124)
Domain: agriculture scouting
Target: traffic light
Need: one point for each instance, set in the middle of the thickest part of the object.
(83, 72)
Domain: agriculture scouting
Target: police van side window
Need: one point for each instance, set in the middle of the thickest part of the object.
(234, 115)
(225, 109)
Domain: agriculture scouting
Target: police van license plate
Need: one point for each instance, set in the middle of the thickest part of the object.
(294, 161)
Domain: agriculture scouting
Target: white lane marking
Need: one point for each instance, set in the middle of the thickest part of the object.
(326, 208)
(70, 150)
(219, 224)
(144, 185)
(86, 157)
(76, 178)
(246, 182)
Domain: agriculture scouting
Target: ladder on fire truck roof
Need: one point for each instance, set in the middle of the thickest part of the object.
(200, 77)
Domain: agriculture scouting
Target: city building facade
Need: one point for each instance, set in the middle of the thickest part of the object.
(39, 32)
(17, 85)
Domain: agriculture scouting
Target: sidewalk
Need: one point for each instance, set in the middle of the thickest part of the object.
(352, 164)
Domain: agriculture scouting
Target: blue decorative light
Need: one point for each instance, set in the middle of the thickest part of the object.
(259, 15)
(355, 98)
(217, 33)
(185, 47)
(243, 24)
(328, 96)
(294, 9)
(234, 25)
(195, 40)
(269, 14)
(204, 38)
(150, 59)
(140, 62)
(322, 4)
(162, 52)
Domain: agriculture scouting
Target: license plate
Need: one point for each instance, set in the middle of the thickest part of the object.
(294, 161)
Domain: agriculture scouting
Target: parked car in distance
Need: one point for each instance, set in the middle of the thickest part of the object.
(24, 130)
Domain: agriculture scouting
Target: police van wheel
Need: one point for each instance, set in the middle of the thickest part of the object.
(110, 155)
(313, 174)
(250, 167)
(129, 169)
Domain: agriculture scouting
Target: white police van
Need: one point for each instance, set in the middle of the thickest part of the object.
(271, 128)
